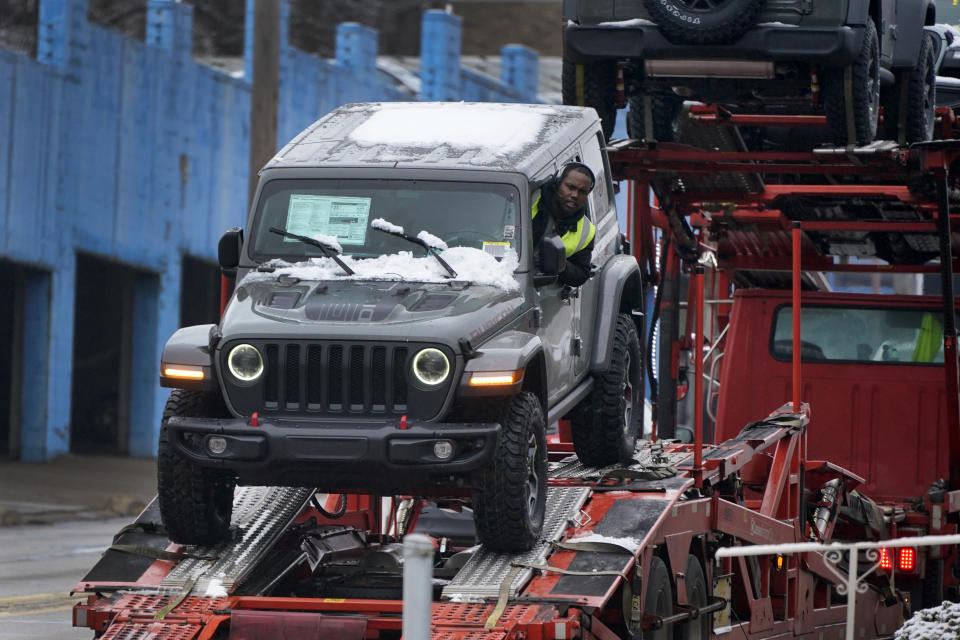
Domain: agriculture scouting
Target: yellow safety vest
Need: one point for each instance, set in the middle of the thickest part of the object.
(575, 239)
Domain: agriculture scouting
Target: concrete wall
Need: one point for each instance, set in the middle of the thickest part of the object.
(136, 153)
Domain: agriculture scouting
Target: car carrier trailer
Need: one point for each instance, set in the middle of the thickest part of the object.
(628, 551)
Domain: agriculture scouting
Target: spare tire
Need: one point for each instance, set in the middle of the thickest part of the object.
(704, 21)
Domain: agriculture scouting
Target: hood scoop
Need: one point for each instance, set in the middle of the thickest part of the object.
(283, 299)
(433, 302)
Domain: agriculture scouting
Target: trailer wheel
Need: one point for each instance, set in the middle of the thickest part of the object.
(865, 90)
(665, 109)
(605, 425)
(659, 600)
(704, 21)
(195, 503)
(592, 84)
(510, 495)
(696, 587)
(921, 99)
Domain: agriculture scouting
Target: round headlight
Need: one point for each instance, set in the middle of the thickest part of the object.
(431, 367)
(245, 362)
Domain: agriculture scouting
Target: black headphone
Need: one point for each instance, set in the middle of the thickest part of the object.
(579, 166)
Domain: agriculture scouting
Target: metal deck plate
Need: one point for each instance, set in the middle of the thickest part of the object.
(645, 456)
(260, 516)
(481, 576)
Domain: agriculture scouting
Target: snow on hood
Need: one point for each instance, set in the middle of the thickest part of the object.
(473, 265)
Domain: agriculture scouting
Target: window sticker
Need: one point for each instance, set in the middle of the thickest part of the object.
(496, 249)
(339, 216)
(508, 231)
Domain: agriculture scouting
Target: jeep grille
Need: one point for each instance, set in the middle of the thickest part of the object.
(335, 378)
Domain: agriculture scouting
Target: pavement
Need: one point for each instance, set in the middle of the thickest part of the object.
(75, 487)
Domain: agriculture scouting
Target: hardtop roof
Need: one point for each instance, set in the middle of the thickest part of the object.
(442, 135)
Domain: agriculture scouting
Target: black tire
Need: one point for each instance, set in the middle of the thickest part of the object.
(916, 89)
(865, 89)
(510, 495)
(704, 21)
(605, 425)
(666, 110)
(696, 588)
(658, 600)
(592, 84)
(195, 503)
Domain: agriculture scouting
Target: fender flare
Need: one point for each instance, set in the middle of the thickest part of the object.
(910, 32)
(620, 289)
(190, 346)
(509, 351)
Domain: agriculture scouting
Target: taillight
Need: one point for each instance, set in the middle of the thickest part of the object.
(886, 561)
(907, 559)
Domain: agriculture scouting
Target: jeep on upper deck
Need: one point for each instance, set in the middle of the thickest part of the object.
(393, 329)
(843, 58)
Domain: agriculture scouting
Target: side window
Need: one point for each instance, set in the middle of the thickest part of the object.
(601, 198)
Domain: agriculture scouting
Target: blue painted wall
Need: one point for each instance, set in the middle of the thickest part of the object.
(136, 153)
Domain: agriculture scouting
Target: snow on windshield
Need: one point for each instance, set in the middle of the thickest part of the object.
(473, 265)
(456, 125)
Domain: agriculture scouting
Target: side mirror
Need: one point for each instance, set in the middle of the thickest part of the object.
(553, 259)
(228, 250)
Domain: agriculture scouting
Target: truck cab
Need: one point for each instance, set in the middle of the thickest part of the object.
(872, 370)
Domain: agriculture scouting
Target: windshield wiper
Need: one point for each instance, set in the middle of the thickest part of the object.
(419, 242)
(328, 250)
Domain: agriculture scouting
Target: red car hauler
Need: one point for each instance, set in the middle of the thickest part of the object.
(819, 417)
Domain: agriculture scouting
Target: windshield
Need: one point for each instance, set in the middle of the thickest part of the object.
(478, 215)
(861, 335)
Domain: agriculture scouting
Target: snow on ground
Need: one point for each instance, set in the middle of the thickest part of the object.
(473, 265)
(936, 623)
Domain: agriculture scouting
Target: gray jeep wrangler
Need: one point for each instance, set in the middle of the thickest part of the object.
(840, 57)
(393, 330)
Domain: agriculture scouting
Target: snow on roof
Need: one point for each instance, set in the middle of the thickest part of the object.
(458, 125)
(472, 265)
(445, 135)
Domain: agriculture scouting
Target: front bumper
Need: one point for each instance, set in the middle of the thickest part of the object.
(836, 46)
(336, 456)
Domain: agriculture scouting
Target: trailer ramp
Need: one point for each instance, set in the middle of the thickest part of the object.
(260, 516)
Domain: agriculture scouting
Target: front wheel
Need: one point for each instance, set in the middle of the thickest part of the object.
(195, 503)
(605, 425)
(510, 495)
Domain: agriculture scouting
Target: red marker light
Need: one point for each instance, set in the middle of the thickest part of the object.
(403, 422)
(255, 419)
(908, 559)
(886, 562)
